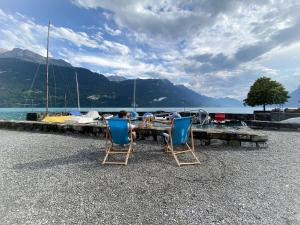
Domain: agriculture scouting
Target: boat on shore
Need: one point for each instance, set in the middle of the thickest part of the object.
(60, 118)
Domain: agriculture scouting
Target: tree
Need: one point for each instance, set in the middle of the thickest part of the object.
(264, 92)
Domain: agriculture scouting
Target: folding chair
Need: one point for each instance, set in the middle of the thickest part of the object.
(118, 140)
(177, 144)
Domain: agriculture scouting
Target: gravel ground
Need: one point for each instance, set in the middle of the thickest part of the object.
(57, 179)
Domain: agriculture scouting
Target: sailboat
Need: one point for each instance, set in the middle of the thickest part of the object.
(76, 112)
(88, 118)
(134, 114)
(49, 118)
(75, 116)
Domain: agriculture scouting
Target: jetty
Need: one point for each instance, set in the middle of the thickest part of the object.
(265, 120)
(206, 136)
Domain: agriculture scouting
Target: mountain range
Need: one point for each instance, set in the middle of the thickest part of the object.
(30, 56)
(294, 100)
(2, 50)
(22, 83)
(116, 78)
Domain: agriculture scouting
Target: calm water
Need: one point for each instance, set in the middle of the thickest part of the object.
(20, 113)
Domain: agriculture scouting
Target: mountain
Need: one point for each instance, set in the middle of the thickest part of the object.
(195, 98)
(294, 100)
(2, 50)
(228, 102)
(116, 78)
(22, 83)
(30, 56)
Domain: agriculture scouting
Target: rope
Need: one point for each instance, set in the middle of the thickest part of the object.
(32, 83)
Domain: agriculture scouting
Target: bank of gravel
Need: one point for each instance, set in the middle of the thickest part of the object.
(58, 179)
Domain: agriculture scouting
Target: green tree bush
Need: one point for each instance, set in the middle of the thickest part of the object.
(264, 92)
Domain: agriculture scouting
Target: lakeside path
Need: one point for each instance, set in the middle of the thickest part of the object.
(58, 179)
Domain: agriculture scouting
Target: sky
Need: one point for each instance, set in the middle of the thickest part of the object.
(217, 48)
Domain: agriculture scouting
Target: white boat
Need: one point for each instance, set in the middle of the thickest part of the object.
(90, 117)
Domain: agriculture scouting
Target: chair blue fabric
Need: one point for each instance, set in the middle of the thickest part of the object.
(180, 130)
(181, 133)
(118, 128)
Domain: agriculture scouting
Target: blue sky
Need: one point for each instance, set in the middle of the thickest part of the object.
(215, 47)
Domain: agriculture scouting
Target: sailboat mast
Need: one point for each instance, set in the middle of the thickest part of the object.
(134, 89)
(47, 71)
(65, 102)
(78, 102)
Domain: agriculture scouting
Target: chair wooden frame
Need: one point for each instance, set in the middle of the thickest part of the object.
(113, 149)
(173, 150)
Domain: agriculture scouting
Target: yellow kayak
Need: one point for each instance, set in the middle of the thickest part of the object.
(56, 119)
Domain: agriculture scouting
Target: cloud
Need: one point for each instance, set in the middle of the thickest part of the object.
(156, 18)
(123, 65)
(281, 38)
(82, 39)
(209, 62)
(167, 20)
(102, 61)
(215, 47)
(77, 38)
(119, 48)
(19, 31)
(231, 32)
(112, 31)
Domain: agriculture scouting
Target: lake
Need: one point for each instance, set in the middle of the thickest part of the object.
(20, 113)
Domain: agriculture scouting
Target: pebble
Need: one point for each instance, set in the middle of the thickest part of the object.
(59, 179)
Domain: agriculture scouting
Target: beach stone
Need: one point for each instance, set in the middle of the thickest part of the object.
(234, 143)
(244, 136)
(204, 142)
(248, 144)
(260, 138)
(262, 144)
(217, 142)
(59, 179)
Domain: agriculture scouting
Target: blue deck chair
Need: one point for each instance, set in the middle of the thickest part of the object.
(179, 135)
(118, 140)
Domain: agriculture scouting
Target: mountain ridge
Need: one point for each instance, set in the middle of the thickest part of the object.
(294, 100)
(2, 50)
(116, 78)
(27, 55)
(96, 90)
